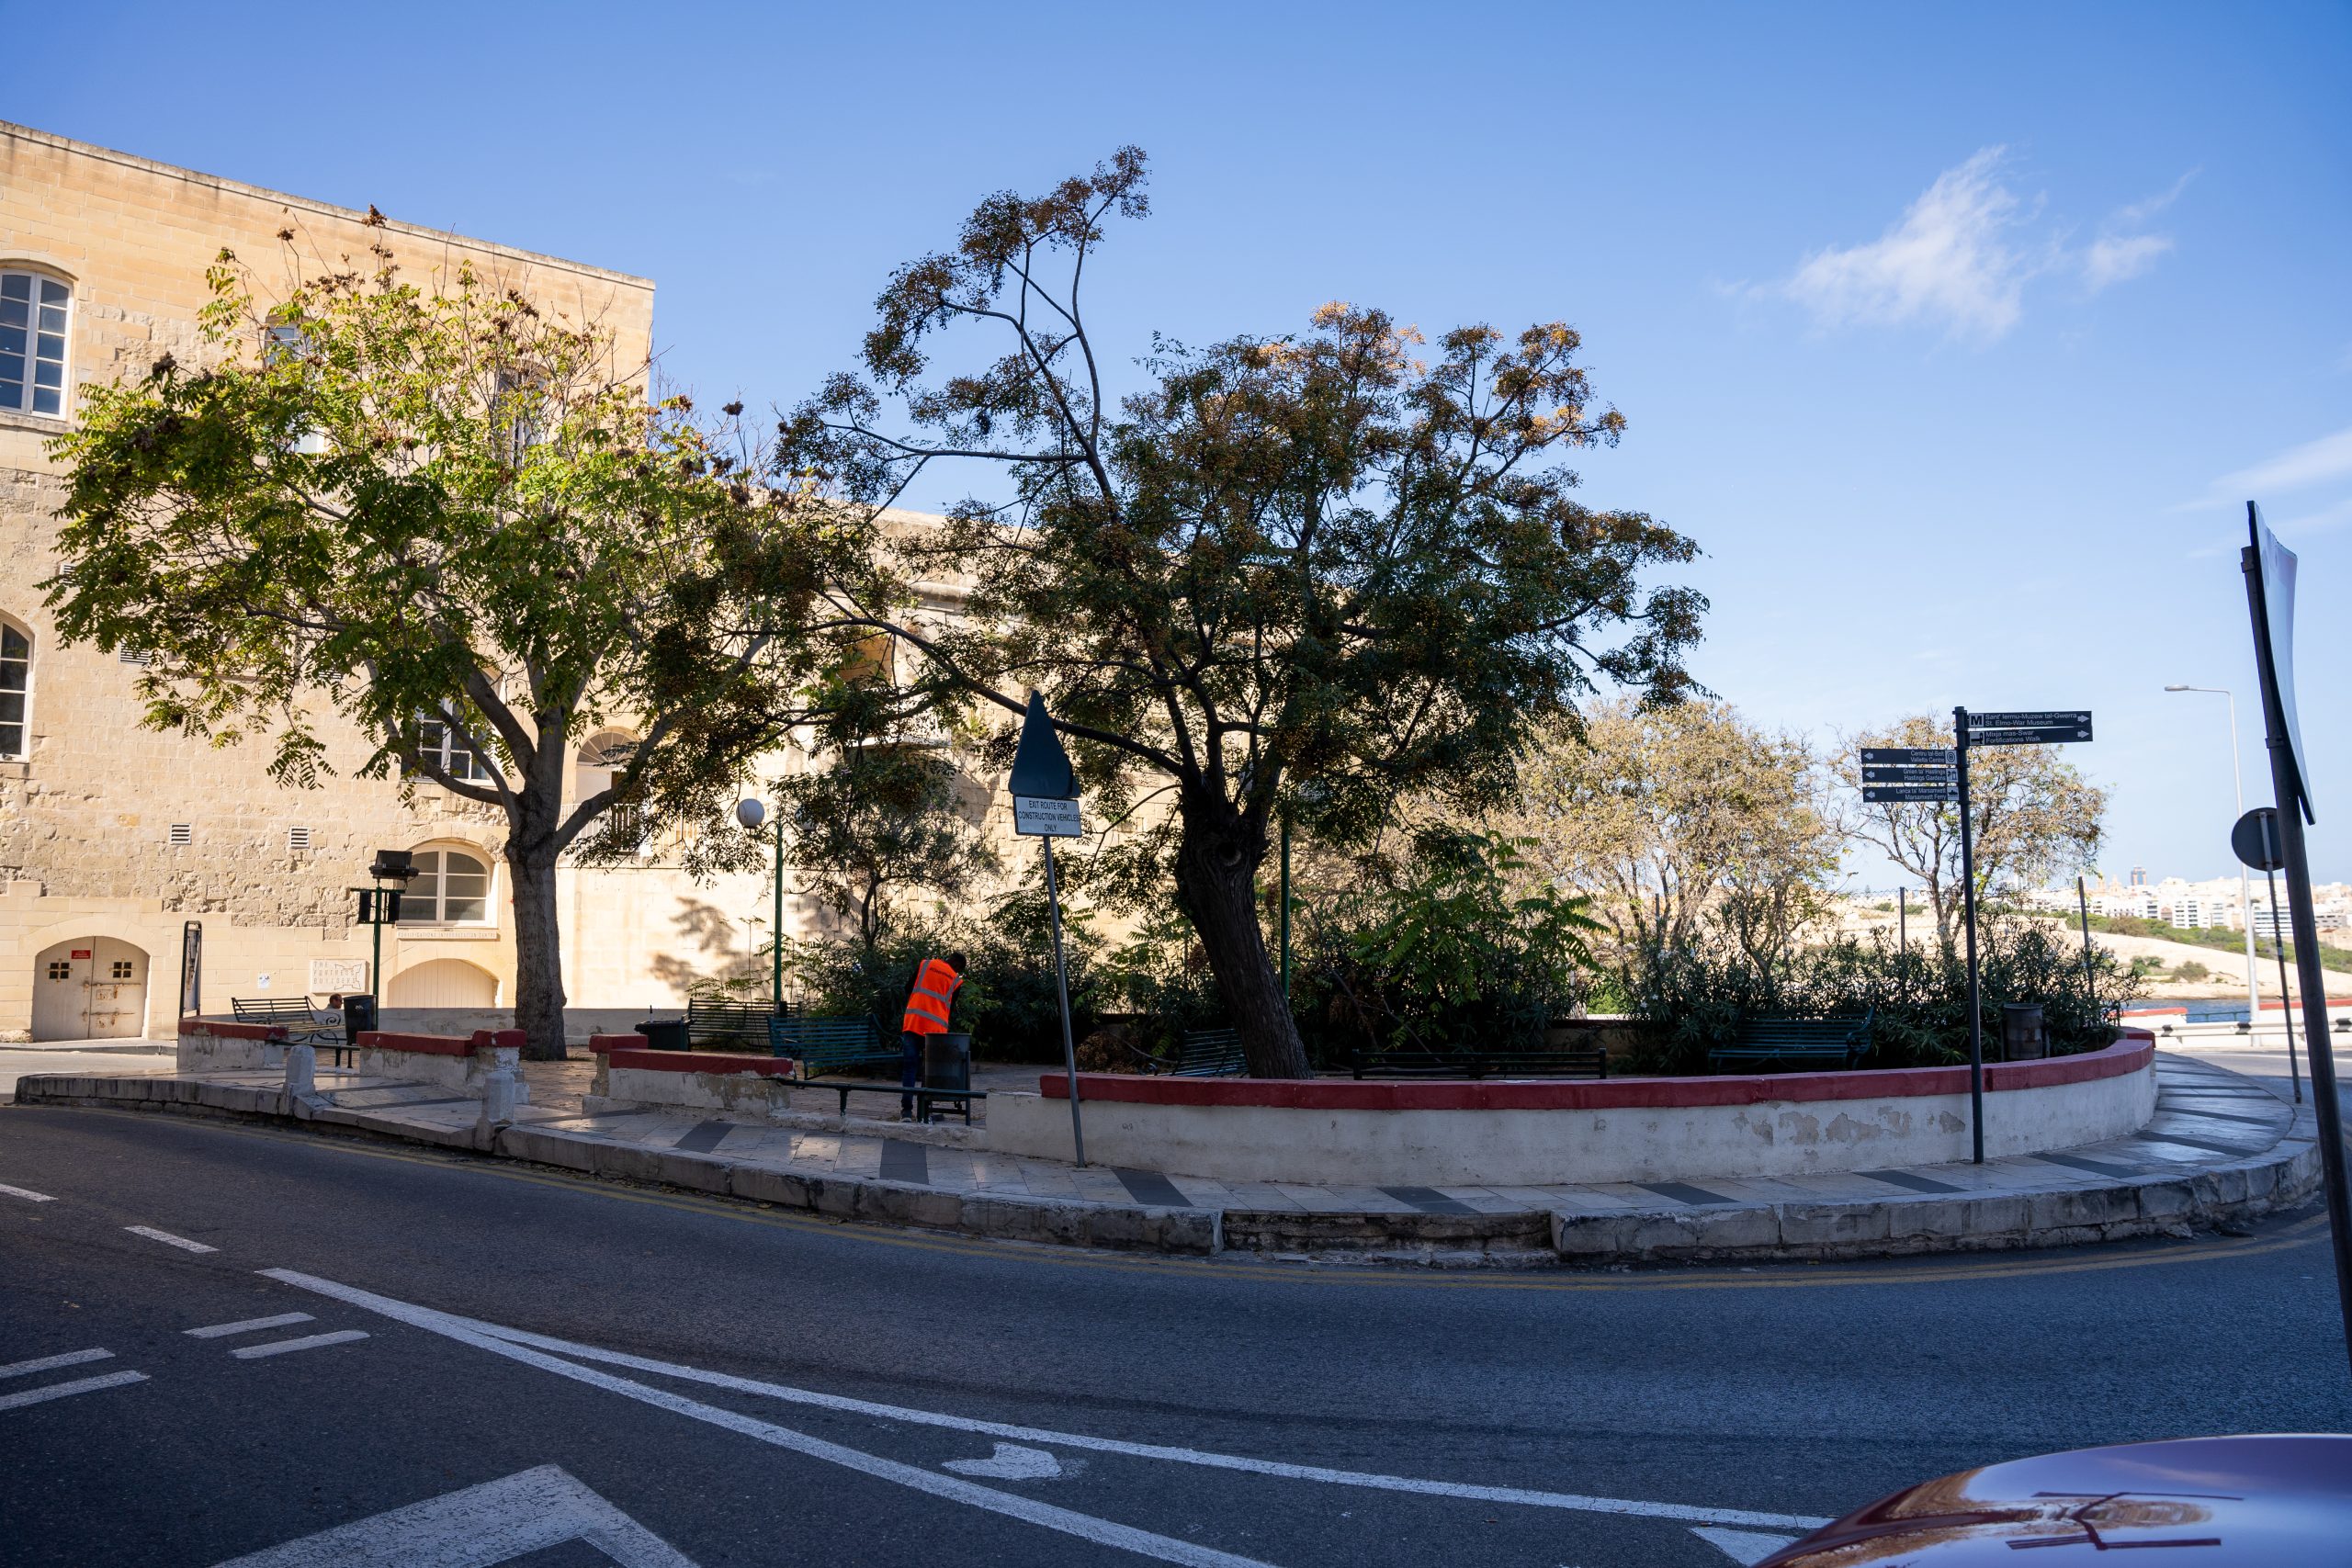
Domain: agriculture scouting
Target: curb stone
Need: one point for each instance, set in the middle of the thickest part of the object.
(2279, 1178)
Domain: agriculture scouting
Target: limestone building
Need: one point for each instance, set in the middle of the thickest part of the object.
(114, 837)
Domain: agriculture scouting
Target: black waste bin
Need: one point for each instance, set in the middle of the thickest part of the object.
(358, 1017)
(2023, 1036)
(666, 1034)
(947, 1064)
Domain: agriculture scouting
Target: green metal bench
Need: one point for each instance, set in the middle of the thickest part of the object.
(1817, 1044)
(1520, 1063)
(1210, 1054)
(823, 1046)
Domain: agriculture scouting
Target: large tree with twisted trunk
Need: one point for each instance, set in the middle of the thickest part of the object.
(1307, 574)
(460, 522)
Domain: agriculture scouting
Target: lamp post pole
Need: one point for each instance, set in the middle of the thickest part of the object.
(751, 814)
(2245, 897)
(775, 927)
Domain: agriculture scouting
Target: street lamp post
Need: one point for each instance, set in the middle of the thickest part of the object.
(2245, 897)
(751, 813)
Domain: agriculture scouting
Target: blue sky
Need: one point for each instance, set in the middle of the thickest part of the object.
(1957, 335)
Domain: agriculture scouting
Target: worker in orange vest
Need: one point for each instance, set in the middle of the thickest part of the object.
(928, 1005)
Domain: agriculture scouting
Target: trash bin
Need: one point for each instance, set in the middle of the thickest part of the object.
(358, 1017)
(2023, 1038)
(947, 1061)
(666, 1034)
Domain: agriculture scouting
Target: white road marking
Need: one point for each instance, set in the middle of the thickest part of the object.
(28, 1194)
(1746, 1547)
(1683, 1512)
(248, 1326)
(44, 1363)
(495, 1522)
(1010, 1462)
(60, 1389)
(168, 1239)
(308, 1342)
(1101, 1532)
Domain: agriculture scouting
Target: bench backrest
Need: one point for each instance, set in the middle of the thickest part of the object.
(709, 1021)
(828, 1041)
(1211, 1054)
(271, 1010)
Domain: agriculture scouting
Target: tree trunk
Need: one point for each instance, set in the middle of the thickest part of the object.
(539, 950)
(1217, 867)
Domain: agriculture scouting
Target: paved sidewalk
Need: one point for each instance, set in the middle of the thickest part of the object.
(2221, 1148)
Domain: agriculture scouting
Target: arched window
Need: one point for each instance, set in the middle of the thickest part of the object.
(34, 307)
(451, 887)
(16, 688)
(606, 753)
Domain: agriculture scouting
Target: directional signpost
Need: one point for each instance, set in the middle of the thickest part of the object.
(1044, 807)
(1938, 775)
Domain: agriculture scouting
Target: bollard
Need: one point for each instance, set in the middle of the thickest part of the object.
(301, 1064)
(498, 1096)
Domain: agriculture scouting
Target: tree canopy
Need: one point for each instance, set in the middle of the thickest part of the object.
(2036, 817)
(1303, 574)
(457, 521)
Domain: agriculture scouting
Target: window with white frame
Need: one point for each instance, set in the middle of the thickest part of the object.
(16, 689)
(34, 309)
(439, 740)
(451, 887)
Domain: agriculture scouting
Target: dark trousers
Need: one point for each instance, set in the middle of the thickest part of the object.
(909, 1068)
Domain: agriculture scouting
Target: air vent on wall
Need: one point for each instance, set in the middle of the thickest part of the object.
(182, 832)
(297, 841)
(137, 656)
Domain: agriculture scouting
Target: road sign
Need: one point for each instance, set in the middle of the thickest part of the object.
(1044, 818)
(2257, 840)
(1882, 772)
(2038, 728)
(1908, 756)
(1882, 794)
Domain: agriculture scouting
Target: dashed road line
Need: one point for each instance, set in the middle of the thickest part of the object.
(168, 1239)
(26, 1193)
(60, 1390)
(45, 1363)
(308, 1342)
(283, 1320)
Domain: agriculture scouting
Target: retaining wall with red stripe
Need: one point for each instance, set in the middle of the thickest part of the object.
(1541, 1132)
(627, 1069)
(454, 1061)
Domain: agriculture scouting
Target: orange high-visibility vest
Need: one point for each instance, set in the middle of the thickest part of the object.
(927, 1004)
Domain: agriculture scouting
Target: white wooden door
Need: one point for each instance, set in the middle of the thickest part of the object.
(117, 990)
(61, 989)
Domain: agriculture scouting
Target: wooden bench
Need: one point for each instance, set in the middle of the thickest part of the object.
(1210, 1054)
(823, 1046)
(293, 1014)
(1817, 1044)
(1520, 1063)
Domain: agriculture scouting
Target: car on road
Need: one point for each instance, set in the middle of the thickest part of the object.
(2235, 1502)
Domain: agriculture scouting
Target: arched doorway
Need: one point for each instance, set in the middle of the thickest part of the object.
(92, 988)
(444, 983)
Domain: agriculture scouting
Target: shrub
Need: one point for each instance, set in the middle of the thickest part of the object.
(1448, 957)
(1689, 1001)
(2191, 971)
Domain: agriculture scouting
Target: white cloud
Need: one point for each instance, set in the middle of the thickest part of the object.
(1945, 260)
(1960, 256)
(2110, 259)
(2319, 521)
(2297, 467)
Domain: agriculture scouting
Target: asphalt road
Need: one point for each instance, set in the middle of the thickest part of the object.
(793, 1392)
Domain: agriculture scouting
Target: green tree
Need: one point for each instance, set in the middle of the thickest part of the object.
(1683, 820)
(444, 514)
(2035, 817)
(1309, 574)
(882, 823)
